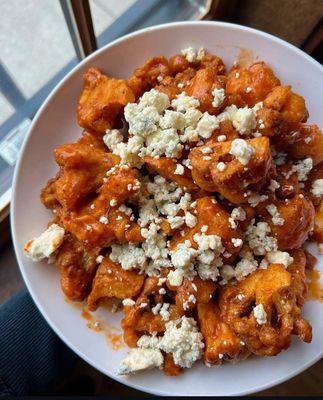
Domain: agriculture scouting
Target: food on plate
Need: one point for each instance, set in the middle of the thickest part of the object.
(185, 204)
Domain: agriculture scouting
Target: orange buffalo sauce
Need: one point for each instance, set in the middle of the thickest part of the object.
(315, 286)
(113, 338)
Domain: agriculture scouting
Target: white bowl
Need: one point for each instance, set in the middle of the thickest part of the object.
(55, 123)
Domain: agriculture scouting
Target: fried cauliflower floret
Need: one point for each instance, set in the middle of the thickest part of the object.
(225, 132)
(178, 63)
(297, 271)
(82, 169)
(251, 85)
(100, 222)
(77, 267)
(169, 87)
(290, 105)
(102, 100)
(211, 215)
(297, 216)
(301, 141)
(202, 87)
(201, 290)
(287, 180)
(220, 340)
(113, 282)
(153, 69)
(214, 62)
(223, 173)
(172, 170)
(262, 310)
(144, 317)
(268, 122)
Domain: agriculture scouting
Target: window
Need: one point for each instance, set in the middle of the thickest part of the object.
(104, 13)
(34, 57)
(122, 17)
(41, 49)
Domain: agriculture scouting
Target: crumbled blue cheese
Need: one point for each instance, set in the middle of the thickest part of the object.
(254, 199)
(128, 302)
(190, 219)
(173, 119)
(208, 255)
(112, 138)
(273, 185)
(317, 187)
(192, 116)
(155, 99)
(277, 257)
(237, 214)
(155, 248)
(302, 168)
(258, 106)
(175, 221)
(192, 54)
(237, 242)
(260, 314)
(162, 142)
(205, 259)
(221, 166)
(128, 255)
(206, 125)
(145, 121)
(183, 258)
(103, 220)
(183, 340)
(276, 218)
(246, 265)
(155, 310)
(207, 150)
(191, 299)
(227, 273)
(189, 53)
(175, 277)
(222, 138)
(204, 228)
(218, 97)
(243, 268)
(182, 102)
(242, 119)
(179, 170)
(141, 359)
(99, 259)
(164, 313)
(241, 150)
(46, 244)
(148, 341)
(259, 240)
(279, 158)
(157, 130)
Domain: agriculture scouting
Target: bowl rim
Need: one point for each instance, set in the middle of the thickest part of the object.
(18, 166)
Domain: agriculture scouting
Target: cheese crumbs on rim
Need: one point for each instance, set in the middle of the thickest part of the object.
(189, 192)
